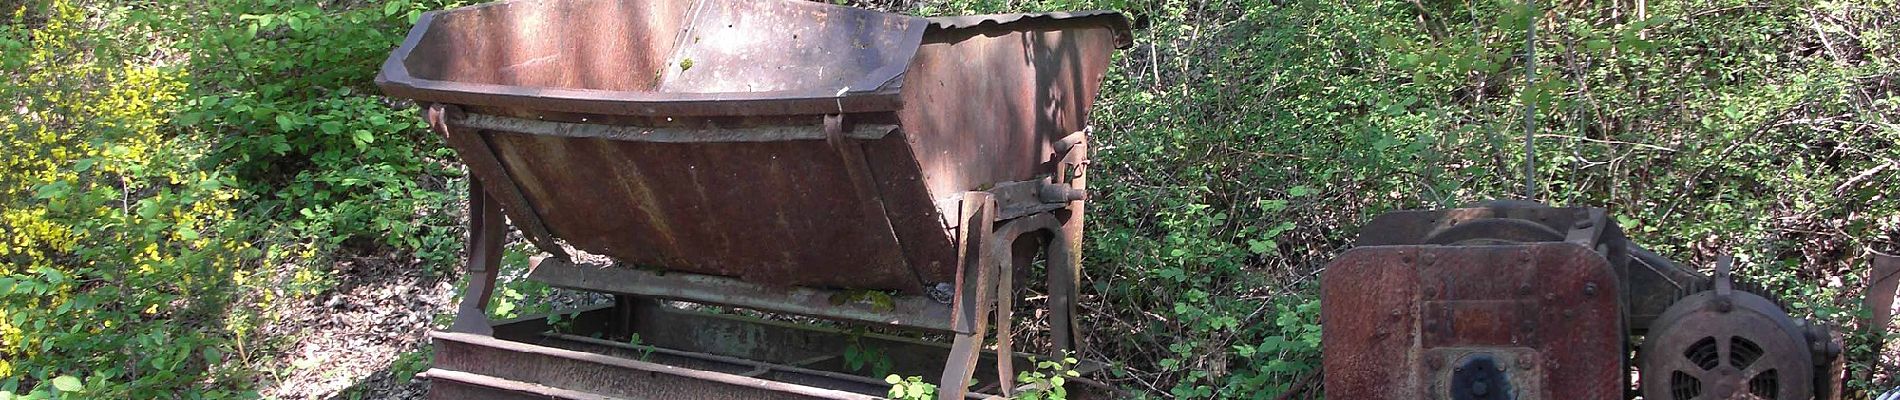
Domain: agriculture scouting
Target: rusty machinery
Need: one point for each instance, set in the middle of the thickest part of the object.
(1517, 300)
(787, 157)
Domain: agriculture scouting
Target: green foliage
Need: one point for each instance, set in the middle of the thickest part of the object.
(1045, 380)
(284, 89)
(912, 388)
(160, 153)
(114, 253)
(411, 363)
(865, 358)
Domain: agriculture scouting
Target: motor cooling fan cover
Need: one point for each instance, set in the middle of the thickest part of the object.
(1726, 344)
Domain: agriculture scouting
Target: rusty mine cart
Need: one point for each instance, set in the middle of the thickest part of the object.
(786, 157)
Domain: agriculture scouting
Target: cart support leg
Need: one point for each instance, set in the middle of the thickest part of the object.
(1065, 251)
(485, 234)
(1005, 303)
(1065, 281)
(974, 295)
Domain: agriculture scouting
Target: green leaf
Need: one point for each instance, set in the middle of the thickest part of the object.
(1260, 246)
(67, 383)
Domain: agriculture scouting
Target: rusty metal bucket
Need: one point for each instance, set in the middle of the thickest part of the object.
(779, 155)
(692, 135)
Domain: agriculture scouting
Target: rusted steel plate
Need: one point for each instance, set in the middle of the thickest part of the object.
(1447, 226)
(780, 213)
(1651, 282)
(607, 375)
(475, 152)
(1550, 309)
(989, 104)
(740, 345)
(458, 385)
(665, 134)
(657, 57)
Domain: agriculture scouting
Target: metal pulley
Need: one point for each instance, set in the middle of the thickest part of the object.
(1726, 344)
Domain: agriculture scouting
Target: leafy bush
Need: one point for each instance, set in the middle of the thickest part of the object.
(161, 154)
(283, 88)
(116, 256)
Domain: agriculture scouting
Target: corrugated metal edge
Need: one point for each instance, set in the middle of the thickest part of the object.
(1124, 31)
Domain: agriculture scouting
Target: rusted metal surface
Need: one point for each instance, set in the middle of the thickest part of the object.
(1725, 343)
(864, 307)
(664, 134)
(738, 345)
(775, 155)
(581, 372)
(1703, 337)
(1400, 320)
(620, 146)
(1652, 283)
(657, 57)
(1005, 93)
(485, 235)
(499, 192)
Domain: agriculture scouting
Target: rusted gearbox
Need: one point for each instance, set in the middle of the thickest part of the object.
(1516, 300)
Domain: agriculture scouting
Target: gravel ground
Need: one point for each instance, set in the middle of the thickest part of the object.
(351, 342)
(344, 342)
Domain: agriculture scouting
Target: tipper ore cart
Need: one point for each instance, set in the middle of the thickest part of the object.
(786, 157)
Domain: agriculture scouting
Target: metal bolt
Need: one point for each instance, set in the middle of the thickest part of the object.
(1524, 361)
(1431, 258)
(1524, 289)
(1590, 289)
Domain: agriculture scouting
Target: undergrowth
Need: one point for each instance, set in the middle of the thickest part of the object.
(1242, 144)
(178, 170)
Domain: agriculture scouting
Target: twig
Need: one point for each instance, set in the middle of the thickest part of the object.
(1605, 141)
(1298, 387)
(1861, 177)
(1699, 14)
